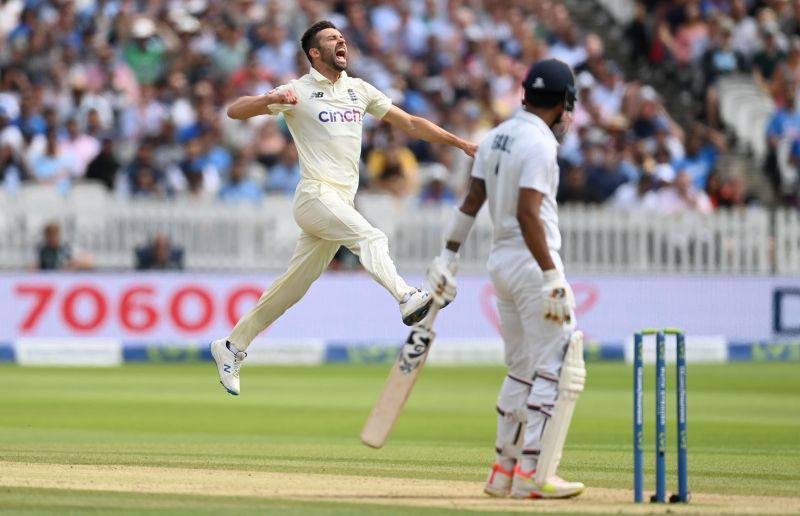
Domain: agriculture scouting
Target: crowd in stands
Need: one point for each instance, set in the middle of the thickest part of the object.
(132, 94)
(715, 38)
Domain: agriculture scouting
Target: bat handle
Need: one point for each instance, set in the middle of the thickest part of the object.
(427, 322)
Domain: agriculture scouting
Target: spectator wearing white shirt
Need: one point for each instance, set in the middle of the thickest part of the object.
(665, 137)
(663, 170)
(609, 90)
(683, 197)
(13, 165)
(82, 147)
(568, 48)
(144, 118)
(411, 33)
(638, 196)
(587, 112)
(745, 31)
(10, 135)
(80, 101)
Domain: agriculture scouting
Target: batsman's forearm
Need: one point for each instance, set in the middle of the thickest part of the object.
(476, 197)
(534, 235)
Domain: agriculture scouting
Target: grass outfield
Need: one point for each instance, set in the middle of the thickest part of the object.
(163, 438)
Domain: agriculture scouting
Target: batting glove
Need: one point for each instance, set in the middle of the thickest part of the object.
(558, 299)
(441, 277)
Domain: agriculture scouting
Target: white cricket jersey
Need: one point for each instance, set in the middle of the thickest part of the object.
(326, 124)
(519, 153)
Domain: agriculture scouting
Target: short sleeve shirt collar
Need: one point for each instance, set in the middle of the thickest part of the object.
(538, 122)
(321, 78)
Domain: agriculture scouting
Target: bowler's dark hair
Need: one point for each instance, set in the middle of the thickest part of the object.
(309, 39)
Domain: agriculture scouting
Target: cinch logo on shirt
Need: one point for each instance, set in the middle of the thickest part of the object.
(351, 115)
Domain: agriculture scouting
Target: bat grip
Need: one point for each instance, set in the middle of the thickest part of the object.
(427, 322)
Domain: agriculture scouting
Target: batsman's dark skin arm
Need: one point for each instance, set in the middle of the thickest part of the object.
(528, 206)
(472, 204)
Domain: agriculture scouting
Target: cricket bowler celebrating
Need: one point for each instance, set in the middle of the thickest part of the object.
(515, 168)
(324, 110)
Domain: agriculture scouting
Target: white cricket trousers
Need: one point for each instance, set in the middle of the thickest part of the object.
(534, 351)
(328, 220)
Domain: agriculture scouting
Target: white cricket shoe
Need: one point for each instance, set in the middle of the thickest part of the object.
(499, 482)
(524, 486)
(229, 363)
(415, 306)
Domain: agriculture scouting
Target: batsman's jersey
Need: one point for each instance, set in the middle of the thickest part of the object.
(326, 124)
(519, 153)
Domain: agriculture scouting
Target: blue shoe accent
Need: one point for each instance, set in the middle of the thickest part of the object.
(229, 391)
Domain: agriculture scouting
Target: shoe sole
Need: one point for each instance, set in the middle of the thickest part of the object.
(539, 496)
(214, 356)
(418, 314)
(495, 494)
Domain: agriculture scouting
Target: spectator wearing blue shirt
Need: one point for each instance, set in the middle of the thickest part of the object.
(30, 120)
(21, 34)
(239, 188)
(603, 179)
(284, 175)
(702, 149)
(201, 174)
(215, 154)
(783, 126)
(436, 190)
(650, 117)
(53, 166)
(276, 52)
(604, 173)
(789, 176)
(159, 254)
(148, 184)
(719, 60)
(144, 176)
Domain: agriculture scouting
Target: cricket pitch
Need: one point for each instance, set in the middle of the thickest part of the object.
(397, 492)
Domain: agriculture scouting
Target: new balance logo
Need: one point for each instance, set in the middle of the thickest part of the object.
(317, 94)
(226, 368)
(538, 83)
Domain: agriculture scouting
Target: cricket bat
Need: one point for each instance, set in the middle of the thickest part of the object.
(400, 382)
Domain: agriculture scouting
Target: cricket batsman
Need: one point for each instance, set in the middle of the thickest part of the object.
(515, 168)
(324, 110)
